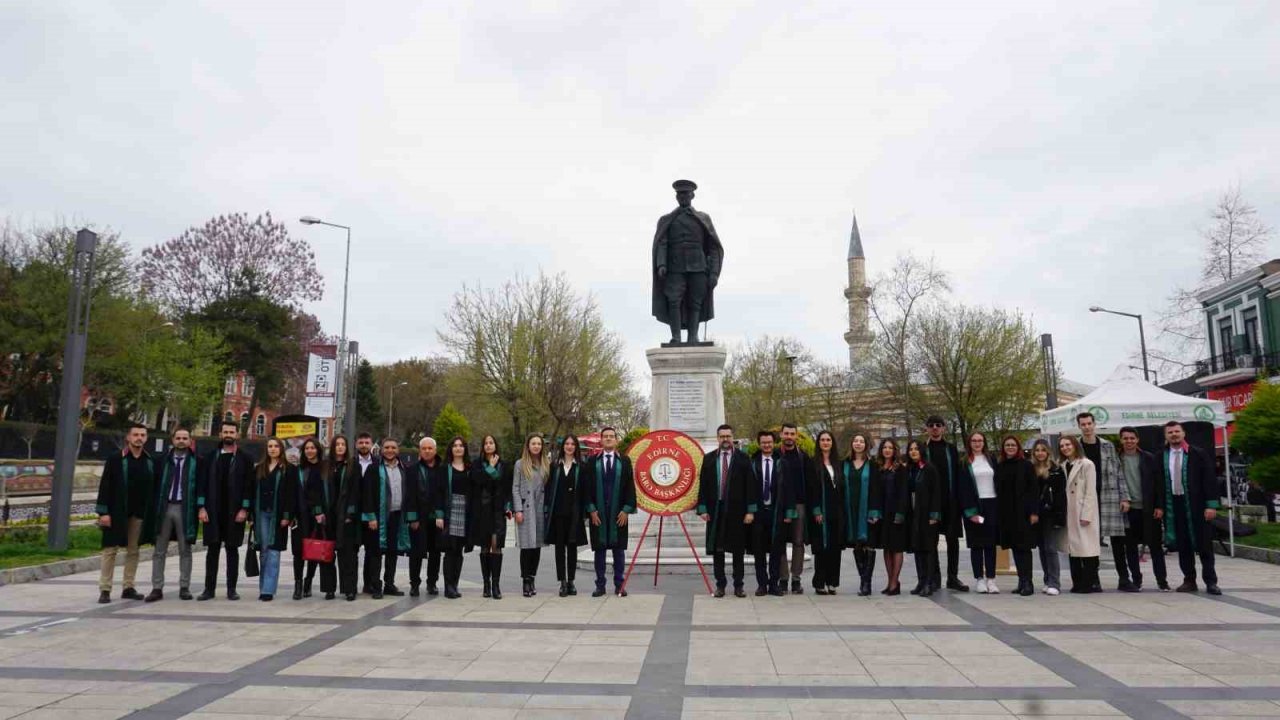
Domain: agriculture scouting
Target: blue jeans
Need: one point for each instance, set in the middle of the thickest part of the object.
(270, 559)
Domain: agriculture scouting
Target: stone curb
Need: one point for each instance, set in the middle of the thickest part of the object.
(1246, 552)
(48, 571)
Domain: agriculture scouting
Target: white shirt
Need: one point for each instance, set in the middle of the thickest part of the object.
(985, 476)
(1176, 460)
(365, 461)
(397, 487)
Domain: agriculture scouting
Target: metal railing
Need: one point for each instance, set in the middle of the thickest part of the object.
(1265, 363)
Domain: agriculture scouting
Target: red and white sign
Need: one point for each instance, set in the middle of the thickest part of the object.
(1235, 397)
(666, 466)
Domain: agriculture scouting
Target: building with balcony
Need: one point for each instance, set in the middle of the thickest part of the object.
(1242, 320)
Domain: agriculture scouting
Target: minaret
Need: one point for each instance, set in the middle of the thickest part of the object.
(859, 335)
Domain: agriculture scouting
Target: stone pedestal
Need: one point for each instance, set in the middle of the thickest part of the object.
(688, 390)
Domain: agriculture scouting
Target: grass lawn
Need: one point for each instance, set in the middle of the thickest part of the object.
(30, 546)
(1268, 536)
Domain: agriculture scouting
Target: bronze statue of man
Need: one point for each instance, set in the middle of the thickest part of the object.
(687, 257)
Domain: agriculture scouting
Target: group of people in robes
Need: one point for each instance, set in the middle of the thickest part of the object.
(436, 508)
(910, 499)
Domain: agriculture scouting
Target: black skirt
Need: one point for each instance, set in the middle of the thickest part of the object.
(984, 535)
(893, 536)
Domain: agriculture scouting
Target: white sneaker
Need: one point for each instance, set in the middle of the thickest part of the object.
(1051, 591)
(982, 585)
(992, 588)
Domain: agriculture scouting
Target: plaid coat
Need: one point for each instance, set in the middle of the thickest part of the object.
(1113, 489)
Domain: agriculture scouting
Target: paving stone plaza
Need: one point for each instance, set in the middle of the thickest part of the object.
(666, 653)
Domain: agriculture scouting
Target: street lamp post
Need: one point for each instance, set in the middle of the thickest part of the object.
(391, 400)
(1155, 375)
(348, 420)
(1142, 336)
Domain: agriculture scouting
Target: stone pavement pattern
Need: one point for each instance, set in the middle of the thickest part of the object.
(666, 653)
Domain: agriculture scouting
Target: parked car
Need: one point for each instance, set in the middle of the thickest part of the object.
(30, 477)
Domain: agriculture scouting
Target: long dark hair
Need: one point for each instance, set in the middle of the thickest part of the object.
(1006, 456)
(302, 454)
(866, 448)
(968, 446)
(497, 450)
(466, 452)
(817, 448)
(897, 454)
(577, 447)
(920, 449)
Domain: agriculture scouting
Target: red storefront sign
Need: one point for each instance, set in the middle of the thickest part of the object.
(1234, 396)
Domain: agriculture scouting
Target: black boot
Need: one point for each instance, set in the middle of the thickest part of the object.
(693, 324)
(306, 587)
(495, 574)
(485, 561)
(526, 585)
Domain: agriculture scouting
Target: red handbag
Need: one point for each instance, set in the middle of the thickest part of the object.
(317, 549)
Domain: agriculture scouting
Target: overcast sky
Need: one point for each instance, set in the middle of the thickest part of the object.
(1051, 157)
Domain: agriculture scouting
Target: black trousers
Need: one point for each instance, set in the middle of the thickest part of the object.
(926, 567)
(530, 558)
(566, 562)
(1188, 550)
(865, 560)
(433, 568)
(769, 553)
(619, 565)
(984, 562)
(1133, 538)
(739, 568)
(1022, 562)
(374, 556)
(347, 563)
(953, 561)
(211, 566)
(826, 568)
(1084, 574)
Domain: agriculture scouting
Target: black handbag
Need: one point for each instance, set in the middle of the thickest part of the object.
(251, 568)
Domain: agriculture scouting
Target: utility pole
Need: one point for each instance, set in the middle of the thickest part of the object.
(67, 443)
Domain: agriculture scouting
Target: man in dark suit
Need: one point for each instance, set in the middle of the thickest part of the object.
(224, 493)
(772, 524)
(610, 498)
(728, 498)
(1191, 504)
(1144, 511)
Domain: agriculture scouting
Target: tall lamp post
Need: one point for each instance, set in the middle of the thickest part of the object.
(391, 402)
(1142, 336)
(348, 420)
(67, 442)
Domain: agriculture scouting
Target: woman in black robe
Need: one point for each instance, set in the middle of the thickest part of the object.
(344, 480)
(313, 509)
(491, 506)
(889, 504)
(566, 512)
(924, 516)
(858, 470)
(826, 510)
(273, 506)
(1018, 506)
(452, 506)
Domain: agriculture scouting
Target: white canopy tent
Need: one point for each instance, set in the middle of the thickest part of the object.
(1126, 399)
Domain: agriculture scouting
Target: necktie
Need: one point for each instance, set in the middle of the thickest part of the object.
(177, 482)
(1177, 472)
(768, 480)
(608, 464)
(724, 475)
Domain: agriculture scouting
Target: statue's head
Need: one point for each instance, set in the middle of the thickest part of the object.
(684, 192)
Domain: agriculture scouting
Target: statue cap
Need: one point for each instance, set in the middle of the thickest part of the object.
(684, 185)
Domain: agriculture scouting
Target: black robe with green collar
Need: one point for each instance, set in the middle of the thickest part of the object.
(622, 499)
(164, 485)
(124, 492)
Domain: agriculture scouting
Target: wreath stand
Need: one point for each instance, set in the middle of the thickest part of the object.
(657, 560)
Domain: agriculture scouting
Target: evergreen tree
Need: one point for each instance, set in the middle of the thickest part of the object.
(450, 423)
(368, 409)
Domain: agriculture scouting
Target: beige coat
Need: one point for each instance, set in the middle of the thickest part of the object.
(1083, 541)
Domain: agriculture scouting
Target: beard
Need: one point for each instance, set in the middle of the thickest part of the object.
(228, 442)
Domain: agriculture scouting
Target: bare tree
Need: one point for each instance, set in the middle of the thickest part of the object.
(763, 382)
(896, 299)
(984, 366)
(539, 349)
(1234, 242)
